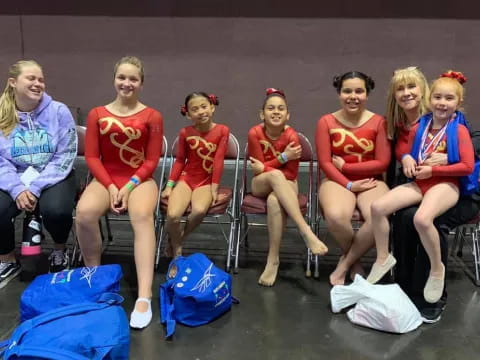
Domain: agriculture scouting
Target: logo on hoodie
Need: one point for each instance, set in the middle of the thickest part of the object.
(31, 147)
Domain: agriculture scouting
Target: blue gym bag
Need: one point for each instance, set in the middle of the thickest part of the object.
(68, 287)
(87, 331)
(198, 293)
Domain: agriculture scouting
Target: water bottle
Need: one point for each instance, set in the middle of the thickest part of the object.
(32, 234)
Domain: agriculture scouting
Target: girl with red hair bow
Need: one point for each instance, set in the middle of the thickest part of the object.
(275, 151)
(197, 170)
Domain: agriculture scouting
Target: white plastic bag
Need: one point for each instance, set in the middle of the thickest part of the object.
(381, 307)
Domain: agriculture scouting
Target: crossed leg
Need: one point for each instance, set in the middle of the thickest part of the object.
(276, 221)
(274, 181)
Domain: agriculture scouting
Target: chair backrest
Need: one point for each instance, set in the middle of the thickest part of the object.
(81, 131)
(307, 150)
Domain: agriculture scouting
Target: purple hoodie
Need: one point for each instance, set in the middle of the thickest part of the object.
(45, 139)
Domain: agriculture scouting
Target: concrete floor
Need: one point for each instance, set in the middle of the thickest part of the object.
(291, 320)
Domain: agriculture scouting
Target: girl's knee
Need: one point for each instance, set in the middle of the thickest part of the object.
(421, 221)
(86, 215)
(199, 210)
(377, 209)
(336, 220)
(141, 217)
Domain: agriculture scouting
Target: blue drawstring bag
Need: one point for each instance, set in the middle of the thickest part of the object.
(86, 331)
(196, 294)
(68, 287)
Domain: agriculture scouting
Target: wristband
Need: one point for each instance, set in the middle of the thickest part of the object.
(280, 159)
(349, 186)
(403, 156)
(130, 187)
(284, 157)
(135, 180)
(170, 183)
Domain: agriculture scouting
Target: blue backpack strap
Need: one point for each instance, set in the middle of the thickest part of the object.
(166, 297)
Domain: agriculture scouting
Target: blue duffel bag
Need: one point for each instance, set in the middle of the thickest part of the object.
(86, 331)
(197, 292)
(51, 291)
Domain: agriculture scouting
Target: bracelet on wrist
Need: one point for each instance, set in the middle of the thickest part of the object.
(349, 186)
(130, 186)
(135, 181)
(170, 183)
(284, 157)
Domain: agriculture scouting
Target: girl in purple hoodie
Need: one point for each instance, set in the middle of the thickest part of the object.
(38, 145)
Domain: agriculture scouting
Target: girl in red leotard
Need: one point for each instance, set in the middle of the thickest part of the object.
(353, 152)
(435, 188)
(275, 151)
(122, 148)
(197, 170)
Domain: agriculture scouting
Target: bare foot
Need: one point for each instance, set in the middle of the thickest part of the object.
(357, 268)
(337, 277)
(313, 243)
(269, 275)
(172, 250)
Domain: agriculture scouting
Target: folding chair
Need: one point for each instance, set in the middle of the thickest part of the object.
(255, 206)
(357, 220)
(225, 208)
(472, 229)
(76, 256)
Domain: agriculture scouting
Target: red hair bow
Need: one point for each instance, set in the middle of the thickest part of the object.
(183, 110)
(271, 91)
(455, 75)
(213, 99)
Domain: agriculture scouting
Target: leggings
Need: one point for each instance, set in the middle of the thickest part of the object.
(56, 205)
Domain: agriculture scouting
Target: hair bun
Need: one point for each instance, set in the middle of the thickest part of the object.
(370, 83)
(337, 81)
(457, 75)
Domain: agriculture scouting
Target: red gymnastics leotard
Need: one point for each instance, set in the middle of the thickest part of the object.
(204, 153)
(266, 150)
(447, 173)
(119, 147)
(365, 149)
(402, 145)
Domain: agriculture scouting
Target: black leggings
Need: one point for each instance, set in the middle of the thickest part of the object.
(413, 265)
(56, 205)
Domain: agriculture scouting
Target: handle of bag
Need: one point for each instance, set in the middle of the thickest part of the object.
(104, 301)
(167, 308)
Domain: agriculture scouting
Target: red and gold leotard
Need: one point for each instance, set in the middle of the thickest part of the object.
(119, 147)
(262, 148)
(204, 153)
(447, 173)
(365, 149)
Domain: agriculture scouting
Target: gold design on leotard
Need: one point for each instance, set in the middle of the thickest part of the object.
(365, 144)
(207, 160)
(137, 157)
(268, 146)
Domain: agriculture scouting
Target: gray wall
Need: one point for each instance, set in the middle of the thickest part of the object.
(238, 52)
